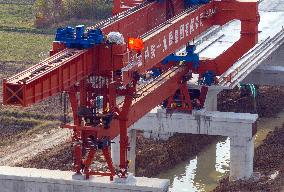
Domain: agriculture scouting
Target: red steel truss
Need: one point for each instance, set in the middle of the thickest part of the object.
(110, 73)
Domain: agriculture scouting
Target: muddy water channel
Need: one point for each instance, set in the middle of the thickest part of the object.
(202, 173)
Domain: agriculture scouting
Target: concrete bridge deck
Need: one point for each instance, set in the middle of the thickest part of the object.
(17, 179)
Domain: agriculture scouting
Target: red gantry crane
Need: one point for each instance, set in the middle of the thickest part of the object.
(110, 71)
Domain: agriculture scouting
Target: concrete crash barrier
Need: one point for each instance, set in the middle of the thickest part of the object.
(18, 179)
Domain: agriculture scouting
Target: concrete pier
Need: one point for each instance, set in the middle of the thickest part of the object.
(16, 179)
(115, 151)
(115, 154)
(241, 157)
(132, 150)
(211, 98)
(240, 127)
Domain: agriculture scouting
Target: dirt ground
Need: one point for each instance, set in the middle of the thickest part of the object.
(269, 101)
(57, 158)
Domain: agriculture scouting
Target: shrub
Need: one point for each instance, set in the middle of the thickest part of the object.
(53, 11)
(87, 9)
(42, 12)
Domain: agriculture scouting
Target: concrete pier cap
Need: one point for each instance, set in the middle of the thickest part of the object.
(18, 179)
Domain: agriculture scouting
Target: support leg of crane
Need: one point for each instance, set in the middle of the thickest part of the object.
(77, 156)
(109, 162)
(76, 133)
(170, 102)
(247, 40)
(123, 149)
(124, 145)
(187, 106)
(65, 106)
(105, 100)
(88, 162)
(180, 101)
(203, 95)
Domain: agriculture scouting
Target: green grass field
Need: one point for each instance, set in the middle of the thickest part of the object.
(16, 16)
(24, 47)
(20, 41)
(19, 2)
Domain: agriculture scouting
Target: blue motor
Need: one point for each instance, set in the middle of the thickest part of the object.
(189, 3)
(80, 29)
(156, 72)
(78, 38)
(96, 36)
(190, 57)
(208, 78)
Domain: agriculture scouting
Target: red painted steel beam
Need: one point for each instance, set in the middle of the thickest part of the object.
(150, 96)
(138, 22)
(247, 13)
(174, 34)
(141, 20)
(170, 36)
(48, 78)
(120, 6)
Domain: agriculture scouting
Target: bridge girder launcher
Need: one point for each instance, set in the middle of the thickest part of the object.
(103, 78)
